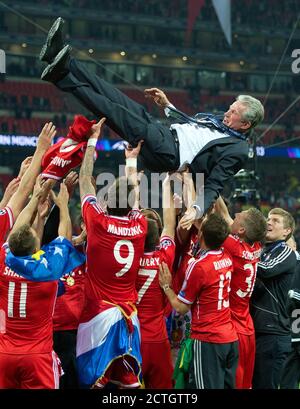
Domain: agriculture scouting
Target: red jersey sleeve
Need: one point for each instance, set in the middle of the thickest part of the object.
(231, 244)
(192, 283)
(167, 250)
(90, 209)
(6, 222)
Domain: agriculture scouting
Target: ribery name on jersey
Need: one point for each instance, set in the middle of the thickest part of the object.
(149, 262)
(124, 231)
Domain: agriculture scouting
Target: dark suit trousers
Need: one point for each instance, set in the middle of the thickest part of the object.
(126, 117)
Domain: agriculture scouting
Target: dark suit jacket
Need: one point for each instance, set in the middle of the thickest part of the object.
(219, 160)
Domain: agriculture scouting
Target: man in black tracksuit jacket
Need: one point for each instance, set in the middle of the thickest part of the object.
(291, 372)
(269, 301)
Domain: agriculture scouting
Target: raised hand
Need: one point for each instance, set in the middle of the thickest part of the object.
(96, 129)
(131, 152)
(62, 198)
(188, 219)
(158, 96)
(178, 203)
(81, 239)
(165, 276)
(71, 181)
(44, 208)
(41, 188)
(9, 191)
(24, 166)
(45, 137)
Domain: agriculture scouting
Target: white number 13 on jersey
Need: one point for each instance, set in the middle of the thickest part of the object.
(124, 260)
(223, 301)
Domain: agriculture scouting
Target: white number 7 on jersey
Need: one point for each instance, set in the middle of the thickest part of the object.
(151, 275)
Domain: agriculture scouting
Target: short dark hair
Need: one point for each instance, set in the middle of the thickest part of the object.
(22, 242)
(152, 214)
(152, 236)
(120, 197)
(255, 226)
(215, 230)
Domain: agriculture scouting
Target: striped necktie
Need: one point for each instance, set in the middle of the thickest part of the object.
(208, 120)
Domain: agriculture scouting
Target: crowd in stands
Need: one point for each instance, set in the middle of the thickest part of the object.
(258, 15)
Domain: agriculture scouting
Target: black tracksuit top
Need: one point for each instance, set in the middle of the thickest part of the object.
(275, 274)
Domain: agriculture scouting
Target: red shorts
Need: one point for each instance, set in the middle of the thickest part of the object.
(244, 372)
(157, 365)
(30, 371)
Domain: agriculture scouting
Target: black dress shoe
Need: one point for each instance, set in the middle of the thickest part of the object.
(54, 42)
(59, 67)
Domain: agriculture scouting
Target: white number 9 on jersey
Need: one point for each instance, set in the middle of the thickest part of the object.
(124, 260)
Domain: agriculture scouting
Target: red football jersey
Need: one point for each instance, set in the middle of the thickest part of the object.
(114, 248)
(6, 223)
(26, 310)
(69, 306)
(245, 258)
(183, 256)
(206, 287)
(151, 298)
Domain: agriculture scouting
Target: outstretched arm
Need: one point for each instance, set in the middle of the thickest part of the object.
(62, 200)
(221, 208)
(86, 171)
(18, 200)
(131, 155)
(165, 280)
(158, 96)
(169, 214)
(9, 192)
(24, 166)
(25, 217)
(42, 213)
(214, 184)
(189, 197)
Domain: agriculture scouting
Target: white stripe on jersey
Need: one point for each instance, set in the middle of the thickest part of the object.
(277, 260)
(184, 300)
(55, 370)
(50, 176)
(10, 301)
(93, 201)
(10, 216)
(189, 269)
(23, 298)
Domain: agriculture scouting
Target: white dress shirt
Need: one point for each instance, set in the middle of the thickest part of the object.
(192, 139)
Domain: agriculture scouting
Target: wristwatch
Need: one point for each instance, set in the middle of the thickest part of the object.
(166, 287)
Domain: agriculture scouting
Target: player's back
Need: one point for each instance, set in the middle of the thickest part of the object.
(245, 258)
(151, 299)
(115, 245)
(26, 310)
(207, 287)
